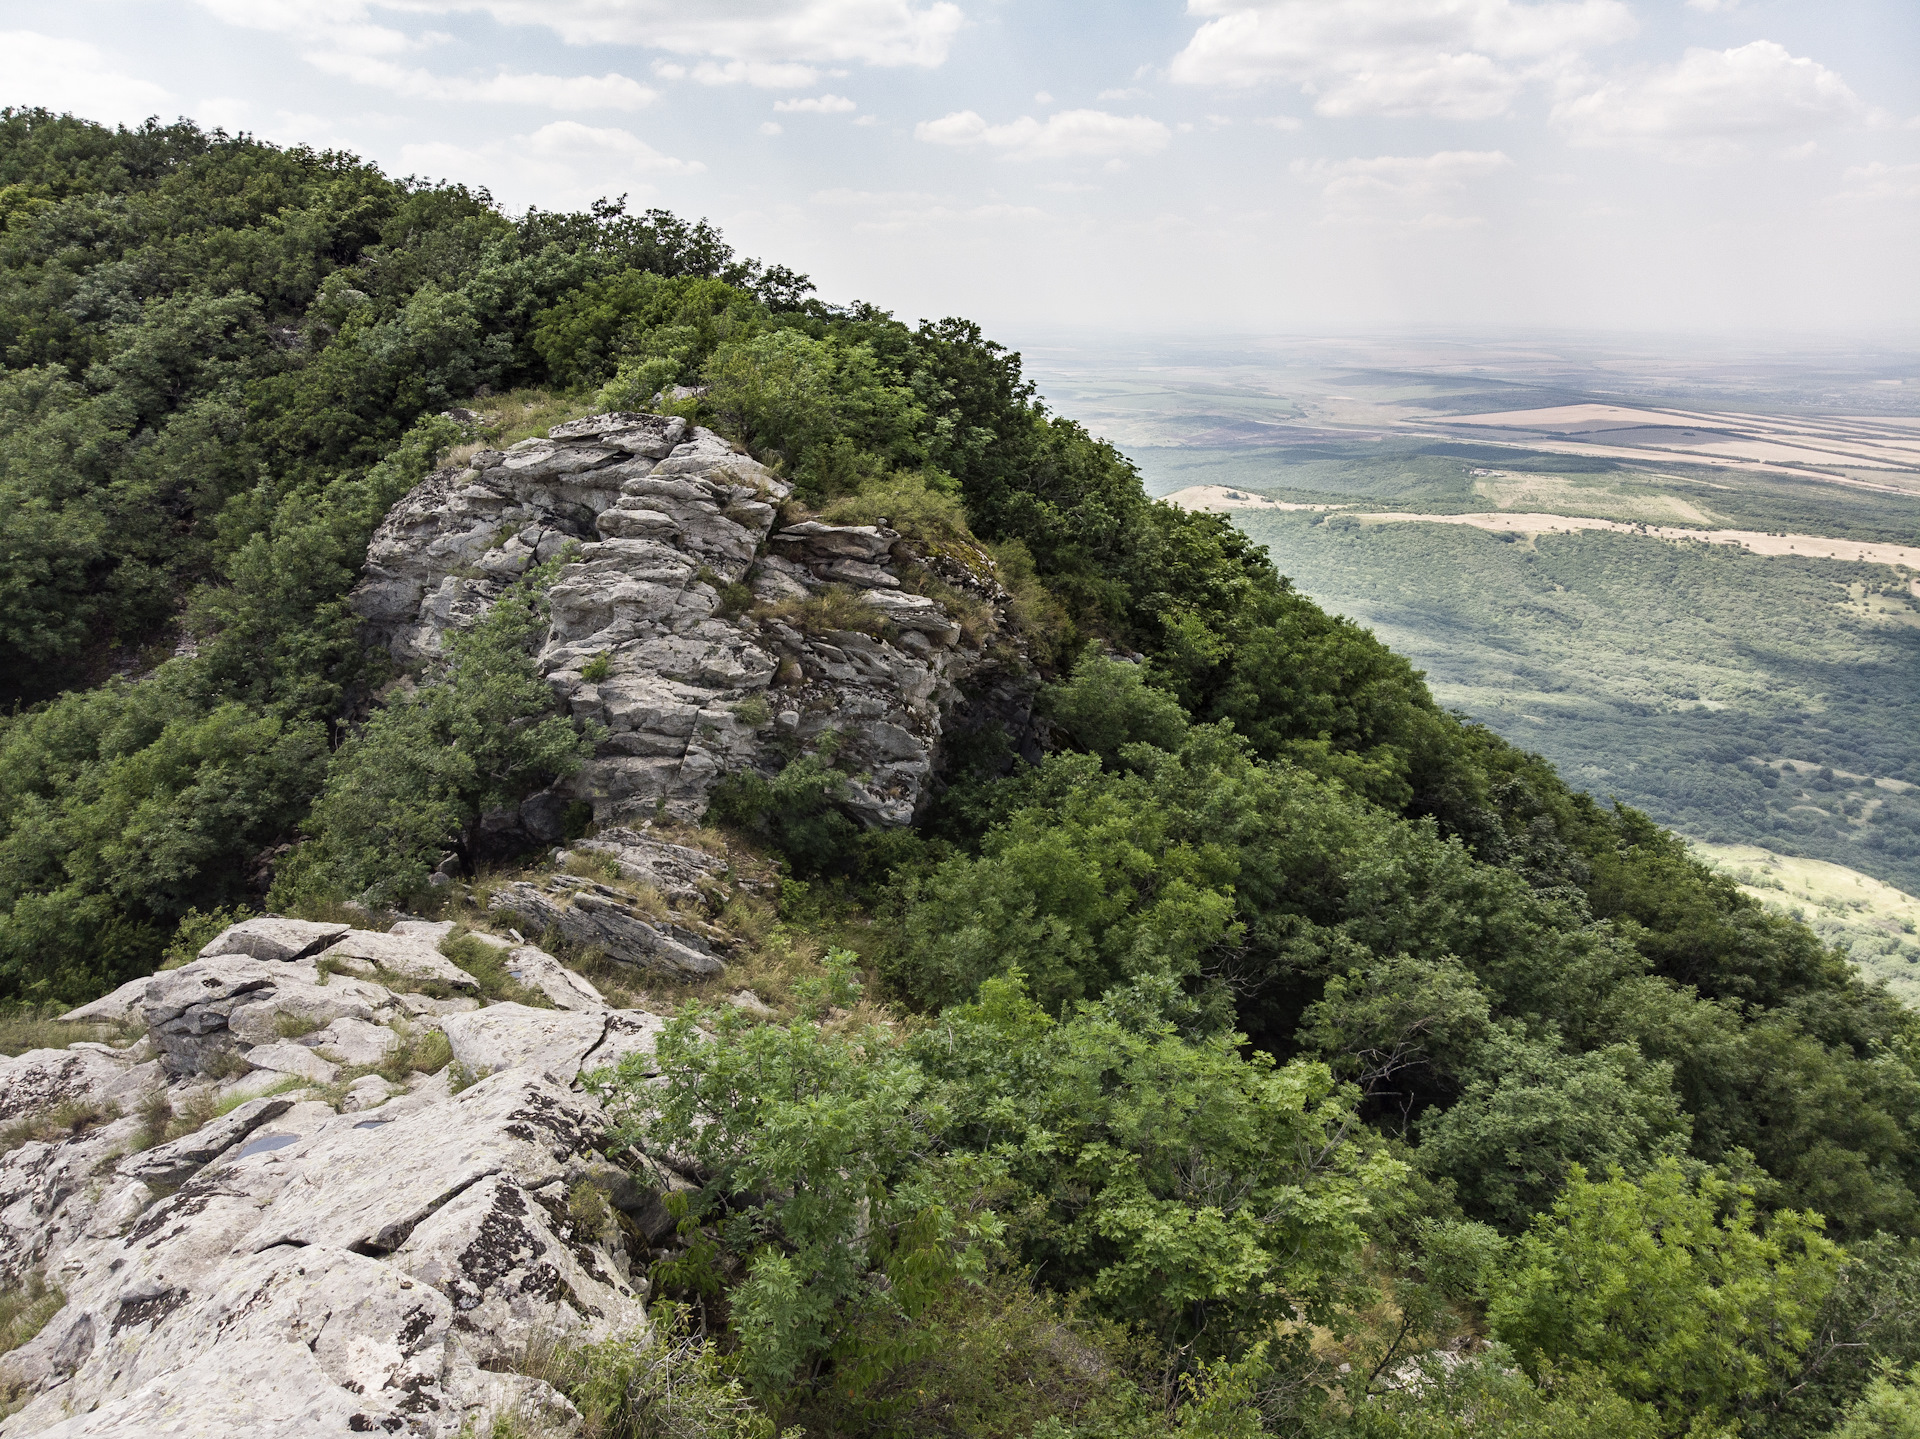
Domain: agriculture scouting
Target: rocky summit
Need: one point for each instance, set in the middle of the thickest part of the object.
(673, 615)
(315, 1198)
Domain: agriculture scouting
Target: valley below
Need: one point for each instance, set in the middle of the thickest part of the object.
(1694, 588)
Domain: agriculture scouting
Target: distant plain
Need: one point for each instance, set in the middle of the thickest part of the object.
(1693, 584)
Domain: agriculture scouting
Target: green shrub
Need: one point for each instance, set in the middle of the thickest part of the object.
(1674, 1289)
(797, 810)
(487, 963)
(196, 931)
(597, 668)
(837, 607)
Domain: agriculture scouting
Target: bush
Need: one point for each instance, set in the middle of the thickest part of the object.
(416, 780)
(797, 810)
(1675, 1290)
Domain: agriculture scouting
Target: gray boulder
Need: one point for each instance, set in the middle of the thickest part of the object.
(662, 517)
(599, 917)
(272, 937)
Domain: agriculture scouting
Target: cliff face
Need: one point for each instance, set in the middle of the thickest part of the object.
(697, 676)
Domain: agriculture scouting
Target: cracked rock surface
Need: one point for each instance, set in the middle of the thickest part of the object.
(370, 1258)
(664, 517)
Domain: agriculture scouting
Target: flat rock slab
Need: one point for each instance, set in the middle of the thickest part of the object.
(539, 970)
(414, 957)
(273, 938)
(174, 1163)
(594, 921)
(516, 1270)
(119, 1007)
(516, 1036)
(43, 1079)
(286, 1057)
(352, 1042)
(311, 1341)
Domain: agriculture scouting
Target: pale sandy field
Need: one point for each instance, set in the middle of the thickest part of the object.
(1825, 895)
(1221, 499)
(1723, 436)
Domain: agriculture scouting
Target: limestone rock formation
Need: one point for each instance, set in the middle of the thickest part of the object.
(664, 519)
(357, 1250)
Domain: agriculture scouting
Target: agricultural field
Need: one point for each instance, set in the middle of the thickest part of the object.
(1611, 559)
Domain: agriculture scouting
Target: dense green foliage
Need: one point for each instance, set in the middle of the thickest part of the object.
(1273, 1022)
(1741, 699)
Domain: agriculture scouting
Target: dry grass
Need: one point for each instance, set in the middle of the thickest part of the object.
(63, 1121)
(488, 966)
(838, 607)
(518, 415)
(40, 1028)
(24, 1311)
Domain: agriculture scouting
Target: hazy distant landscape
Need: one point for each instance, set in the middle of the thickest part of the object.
(1691, 585)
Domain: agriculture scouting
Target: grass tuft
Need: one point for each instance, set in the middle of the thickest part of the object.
(66, 1120)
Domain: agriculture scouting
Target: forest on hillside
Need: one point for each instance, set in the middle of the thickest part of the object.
(1280, 1054)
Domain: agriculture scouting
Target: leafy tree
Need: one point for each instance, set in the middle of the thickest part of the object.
(1107, 705)
(419, 778)
(1534, 1113)
(1675, 1289)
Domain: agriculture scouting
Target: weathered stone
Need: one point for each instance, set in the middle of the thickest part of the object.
(170, 1164)
(271, 937)
(403, 956)
(352, 1042)
(516, 1270)
(121, 1006)
(285, 1057)
(659, 506)
(676, 870)
(515, 1036)
(42, 1079)
(606, 923)
(815, 540)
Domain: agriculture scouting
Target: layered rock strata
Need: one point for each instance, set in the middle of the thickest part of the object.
(679, 615)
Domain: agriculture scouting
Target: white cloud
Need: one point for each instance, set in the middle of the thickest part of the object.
(778, 44)
(1417, 190)
(760, 74)
(340, 25)
(818, 105)
(1878, 180)
(1714, 7)
(71, 75)
(555, 92)
(1451, 59)
(339, 39)
(1279, 122)
(824, 32)
(1041, 97)
(561, 164)
(1710, 102)
(1068, 135)
(894, 211)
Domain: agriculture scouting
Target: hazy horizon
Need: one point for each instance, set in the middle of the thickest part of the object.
(1303, 166)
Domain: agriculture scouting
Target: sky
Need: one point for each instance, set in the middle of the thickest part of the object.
(1213, 166)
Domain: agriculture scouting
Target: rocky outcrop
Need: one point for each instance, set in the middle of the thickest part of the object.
(372, 1258)
(666, 532)
(599, 917)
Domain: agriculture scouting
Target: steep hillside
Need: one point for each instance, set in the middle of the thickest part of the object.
(802, 900)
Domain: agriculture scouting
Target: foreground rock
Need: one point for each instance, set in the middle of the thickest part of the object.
(375, 1258)
(689, 690)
